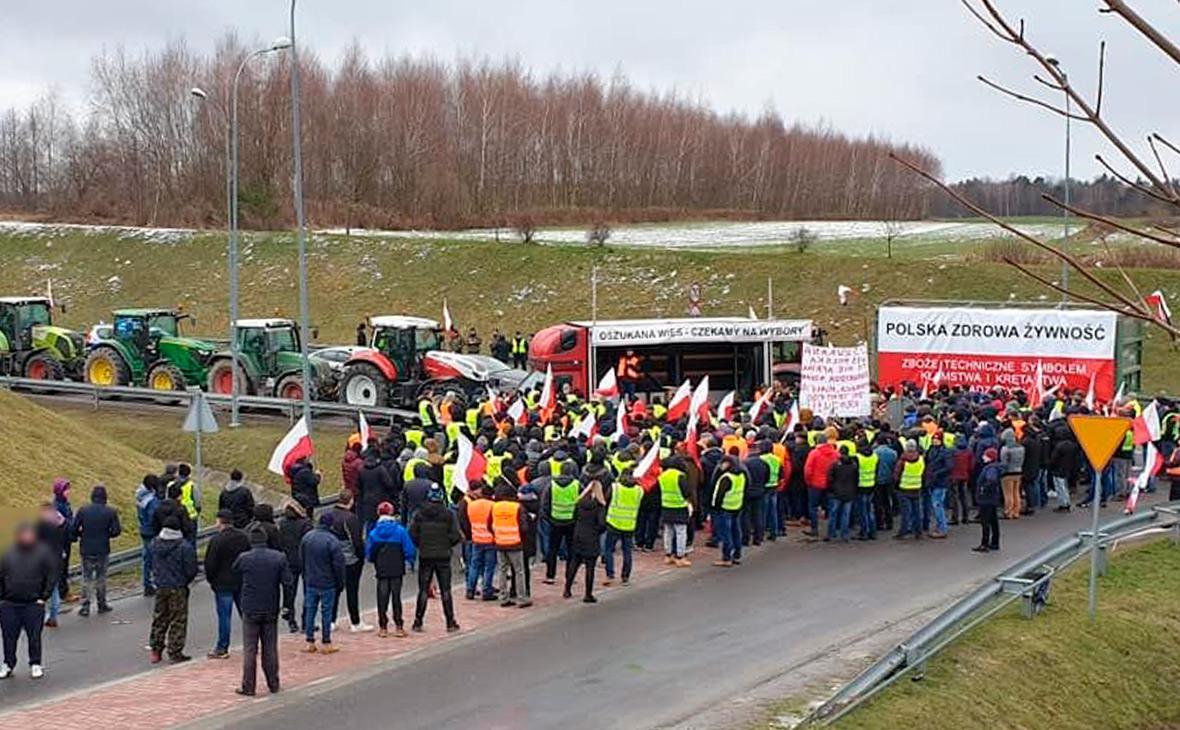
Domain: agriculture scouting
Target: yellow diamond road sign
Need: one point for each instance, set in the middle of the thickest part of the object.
(1099, 436)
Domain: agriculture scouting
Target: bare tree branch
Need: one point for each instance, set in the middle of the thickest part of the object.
(1032, 100)
(1163, 168)
(1137, 22)
(1069, 292)
(1131, 183)
(1101, 77)
(1112, 222)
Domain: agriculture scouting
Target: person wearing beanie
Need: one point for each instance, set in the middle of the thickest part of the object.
(264, 519)
(350, 533)
(94, 527)
(293, 527)
(908, 475)
(391, 551)
(816, 470)
(237, 498)
(174, 561)
(263, 573)
(61, 502)
(475, 511)
(435, 532)
(989, 496)
(322, 561)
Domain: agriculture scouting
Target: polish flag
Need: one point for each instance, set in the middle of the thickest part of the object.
(1153, 461)
(936, 380)
(366, 432)
(648, 468)
(690, 438)
(620, 419)
(725, 408)
(760, 405)
(793, 418)
(700, 400)
(680, 402)
(470, 464)
(1147, 426)
(1118, 397)
(1039, 391)
(587, 426)
(1090, 398)
(1159, 306)
(548, 396)
(448, 323)
(294, 446)
(49, 292)
(608, 387)
(752, 314)
(517, 412)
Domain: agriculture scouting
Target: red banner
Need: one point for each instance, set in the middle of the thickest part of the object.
(1006, 371)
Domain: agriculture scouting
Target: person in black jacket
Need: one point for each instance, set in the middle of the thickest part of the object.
(375, 486)
(843, 482)
(305, 485)
(349, 532)
(237, 498)
(54, 532)
(170, 506)
(28, 575)
(589, 524)
(262, 571)
(389, 548)
(291, 531)
(435, 531)
(94, 527)
(224, 548)
(175, 561)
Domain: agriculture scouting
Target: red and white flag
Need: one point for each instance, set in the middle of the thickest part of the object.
(649, 461)
(448, 323)
(760, 405)
(936, 380)
(470, 464)
(294, 446)
(793, 418)
(1090, 398)
(620, 419)
(49, 292)
(680, 402)
(608, 387)
(517, 412)
(1153, 461)
(366, 432)
(1146, 426)
(1039, 391)
(587, 426)
(1159, 306)
(548, 395)
(725, 408)
(699, 406)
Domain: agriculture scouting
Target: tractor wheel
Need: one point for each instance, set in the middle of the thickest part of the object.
(364, 385)
(165, 376)
(105, 368)
(221, 379)
(290, 387)
(44, 367)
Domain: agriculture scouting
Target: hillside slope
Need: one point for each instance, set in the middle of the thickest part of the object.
(39, 445)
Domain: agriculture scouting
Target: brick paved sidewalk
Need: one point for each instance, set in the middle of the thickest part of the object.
(169, 696)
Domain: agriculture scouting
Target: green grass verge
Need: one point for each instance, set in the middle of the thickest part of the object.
(1060, 670)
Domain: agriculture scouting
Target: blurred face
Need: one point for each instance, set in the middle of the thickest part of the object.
(26, 535)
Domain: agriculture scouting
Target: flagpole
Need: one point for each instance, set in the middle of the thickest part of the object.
(594, 295)
(769, 297)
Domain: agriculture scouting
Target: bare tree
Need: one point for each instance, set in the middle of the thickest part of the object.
(598, 234)
(525, 227)
(802, 239)
(891, 228)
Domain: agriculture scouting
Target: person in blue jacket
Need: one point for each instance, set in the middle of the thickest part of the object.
(389, 548)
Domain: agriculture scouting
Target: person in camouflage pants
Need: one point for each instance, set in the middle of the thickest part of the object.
(174, 563)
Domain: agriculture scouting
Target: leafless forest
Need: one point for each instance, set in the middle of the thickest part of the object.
(417, 142)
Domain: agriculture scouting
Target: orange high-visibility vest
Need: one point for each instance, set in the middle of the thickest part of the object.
(477, 513)
(506, 524)
(628, 368)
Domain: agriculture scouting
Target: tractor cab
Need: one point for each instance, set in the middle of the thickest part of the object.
(271, 362)
(143, 329)
(405, 340)
(146, 347)
(18, 317)
(266, 341)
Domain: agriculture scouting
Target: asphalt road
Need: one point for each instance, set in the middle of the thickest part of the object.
(654, 656)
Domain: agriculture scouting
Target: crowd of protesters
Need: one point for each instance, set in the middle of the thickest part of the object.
(571, 481)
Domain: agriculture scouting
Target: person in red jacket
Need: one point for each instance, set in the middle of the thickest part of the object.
(815, 476)
(350, 466)
(962, 466)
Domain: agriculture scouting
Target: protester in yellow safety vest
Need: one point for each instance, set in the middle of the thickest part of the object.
(190, 493)
(728, 497)
(772, 516)
(520, 350)
(867, 462)
(908, 476)
(419, 457)
(675, 511)
(426, 414)
(414, 436)
(472, 420)
(557, 509)
(622, 515)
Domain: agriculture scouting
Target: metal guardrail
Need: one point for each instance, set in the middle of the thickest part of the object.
(132, 558)
(1020, 581)
(290, 408)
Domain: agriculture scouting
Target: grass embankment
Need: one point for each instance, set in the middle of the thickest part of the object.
(39, 445)
(513, 286)
(1060, 670)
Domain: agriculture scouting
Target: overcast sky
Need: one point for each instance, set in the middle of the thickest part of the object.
(904, 69)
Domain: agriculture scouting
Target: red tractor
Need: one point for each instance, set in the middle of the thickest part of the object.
(404, 362)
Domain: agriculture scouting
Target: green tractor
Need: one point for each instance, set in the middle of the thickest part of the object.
(145, 348)
(270, 363)
(31, 347)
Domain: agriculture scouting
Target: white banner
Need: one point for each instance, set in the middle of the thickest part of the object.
(660, 332)
(835, 380)
(1086, 334)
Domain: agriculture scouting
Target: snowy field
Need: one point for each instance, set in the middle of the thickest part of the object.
(669, 235)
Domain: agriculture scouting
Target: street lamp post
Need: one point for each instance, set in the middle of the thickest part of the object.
(300, 224)
(232, 184)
